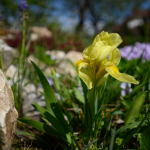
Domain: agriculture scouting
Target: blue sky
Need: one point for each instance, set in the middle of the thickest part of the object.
(68, 21)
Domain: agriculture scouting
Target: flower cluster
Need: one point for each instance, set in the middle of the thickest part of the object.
(139, 50)
(50, 81)
(126, 88)
(23, 6)
(2, 18)
(80, 88)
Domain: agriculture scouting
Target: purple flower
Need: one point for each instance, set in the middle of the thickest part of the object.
(50, 81)
(139, 50)
(126, 88)
(2, 17)
(146, 54)
(23, 6)
(125, 51)
(80, 88)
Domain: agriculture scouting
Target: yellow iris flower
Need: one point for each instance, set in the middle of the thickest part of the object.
(102, 59)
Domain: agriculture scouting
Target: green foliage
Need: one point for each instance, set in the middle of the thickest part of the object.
(40, 54)
(116, 138)
(144, 139)
(53, 114)
(78, 95)
(134, 109)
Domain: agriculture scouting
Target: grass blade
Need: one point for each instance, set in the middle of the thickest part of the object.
(53, 106)
(135, 90)
(43, 127)
(112, 139)
(30, 134)
(78, 95)
(56, 124)
(84, 148)
(135, 107)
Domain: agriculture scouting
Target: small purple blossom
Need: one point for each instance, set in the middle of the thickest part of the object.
(125, 51)
(80, 88)
(126, 88)
(139, 50)
(23, 6)
(2, 17)
(50, 81)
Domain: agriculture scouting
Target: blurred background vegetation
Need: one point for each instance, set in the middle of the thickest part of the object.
(85, 17)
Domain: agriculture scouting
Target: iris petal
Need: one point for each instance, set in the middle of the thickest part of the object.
(85, 74)
(110, 42)
(121, 76)
(115, 56)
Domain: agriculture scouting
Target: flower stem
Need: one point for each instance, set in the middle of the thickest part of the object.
(1, 61)
(23, 40)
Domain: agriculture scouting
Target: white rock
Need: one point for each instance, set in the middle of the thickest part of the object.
(40, 64)
(66, 66)
(11, 72)
(7, 53)
(56, 55)
(30, 95)
(2, 41)
(34, 36)
(42, 31)
(74, 56)
(29, 88)
(119, 121)
(8, 114)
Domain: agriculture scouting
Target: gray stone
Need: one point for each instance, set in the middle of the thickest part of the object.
(11, 73)
(56, 55)
(74, 56)
(31, 95)
(7, 54)
(8, 114)
(41, 31)
(65, 66)
(40, 64)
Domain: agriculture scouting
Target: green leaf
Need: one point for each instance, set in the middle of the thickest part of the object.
(133, 125)
(85, 89)
(56, 124)
(78, 95)
(135, 90)
(101, 90)
(119, 131)
(56, 80)
(84, 148)
(114, 113)
(131, 134)
(112, 139)
(72, 119)
(141, 130)
(43, 127)
(136, 130)
(51, 102)
(127, 103)
(30, 134)
(145, 139)
(135, 107)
